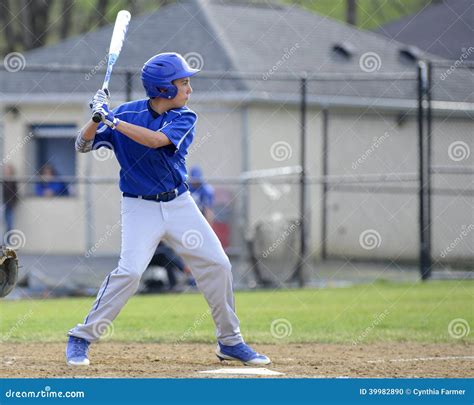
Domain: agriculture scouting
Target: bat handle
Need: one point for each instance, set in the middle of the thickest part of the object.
(96, 118)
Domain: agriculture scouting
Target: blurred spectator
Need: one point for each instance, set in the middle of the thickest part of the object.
(202, 192)
(166, 257)
(48, 187)
(10, 196)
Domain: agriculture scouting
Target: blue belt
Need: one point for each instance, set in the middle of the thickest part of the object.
(162, 197)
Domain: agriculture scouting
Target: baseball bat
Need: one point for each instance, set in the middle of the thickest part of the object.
(118, 37)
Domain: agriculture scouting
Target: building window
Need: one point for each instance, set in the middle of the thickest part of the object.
(53, 157)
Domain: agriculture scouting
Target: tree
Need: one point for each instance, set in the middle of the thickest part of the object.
(29, 24)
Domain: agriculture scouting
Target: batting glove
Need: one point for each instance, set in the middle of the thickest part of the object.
(101, 97)
(106, 116)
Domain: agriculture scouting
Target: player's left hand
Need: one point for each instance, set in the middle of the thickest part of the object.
(107, 116)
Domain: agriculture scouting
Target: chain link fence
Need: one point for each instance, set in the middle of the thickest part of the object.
(307, 169)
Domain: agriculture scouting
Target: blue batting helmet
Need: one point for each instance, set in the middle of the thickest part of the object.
(159, 72)
(196, 174)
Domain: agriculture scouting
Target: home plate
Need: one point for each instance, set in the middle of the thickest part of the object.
(243, 371)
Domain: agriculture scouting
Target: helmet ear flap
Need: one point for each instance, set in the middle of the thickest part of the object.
(166, 91)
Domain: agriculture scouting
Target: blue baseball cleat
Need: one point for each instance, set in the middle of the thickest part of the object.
(76, 351)
(241, 352)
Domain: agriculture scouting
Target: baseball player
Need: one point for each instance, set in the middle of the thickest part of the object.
(150, 139)
(202, 193)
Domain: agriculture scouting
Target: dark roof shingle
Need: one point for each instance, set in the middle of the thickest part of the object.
(233, 36)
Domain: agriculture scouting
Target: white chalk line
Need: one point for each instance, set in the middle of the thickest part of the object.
(423, 359)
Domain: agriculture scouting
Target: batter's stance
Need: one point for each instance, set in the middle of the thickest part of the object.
(150, 139)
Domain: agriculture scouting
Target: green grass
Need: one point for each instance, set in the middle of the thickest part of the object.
(379, 312)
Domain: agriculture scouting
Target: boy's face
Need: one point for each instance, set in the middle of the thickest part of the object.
(184, 91)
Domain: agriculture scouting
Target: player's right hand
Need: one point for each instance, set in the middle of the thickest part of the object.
(101, 97)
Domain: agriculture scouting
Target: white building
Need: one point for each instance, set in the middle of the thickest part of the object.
(372, 128)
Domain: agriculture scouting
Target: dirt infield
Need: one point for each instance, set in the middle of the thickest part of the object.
(153, 360)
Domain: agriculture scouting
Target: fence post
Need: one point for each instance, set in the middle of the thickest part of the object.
(244, 216)
(128, 87)
(303, 197)
(3, 225)
(424, 176)
(324, 169)
(429, 196)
